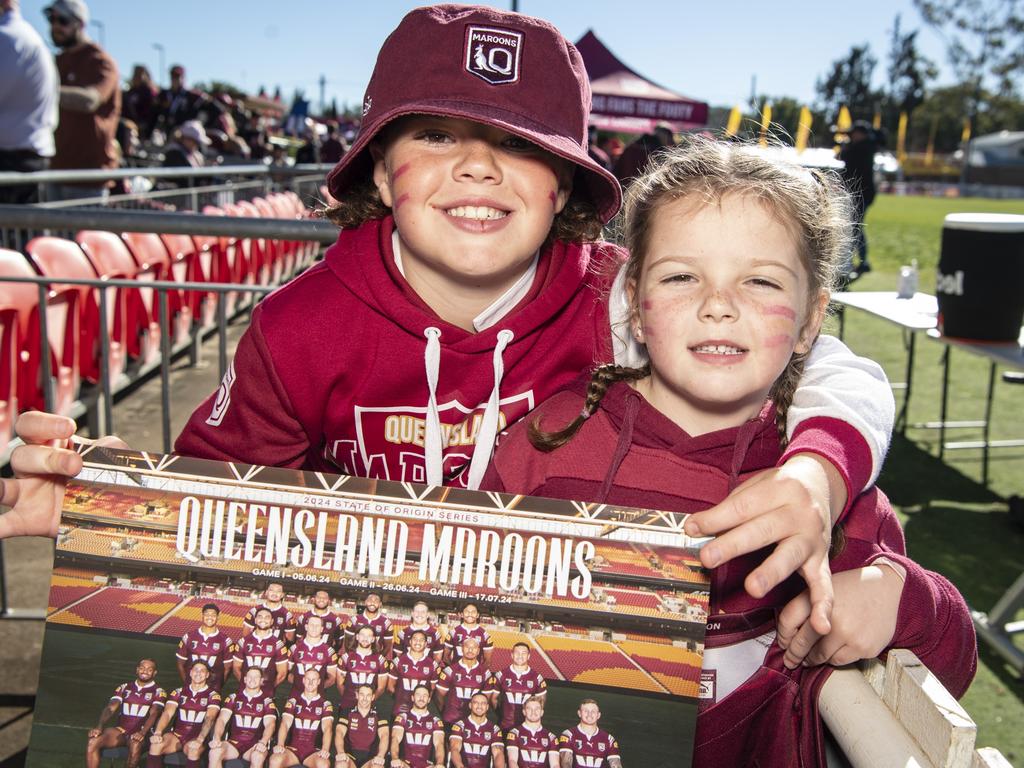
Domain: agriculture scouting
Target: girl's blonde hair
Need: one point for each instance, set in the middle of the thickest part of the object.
(811, 203)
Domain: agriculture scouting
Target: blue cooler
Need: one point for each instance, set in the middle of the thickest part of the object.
(980, 280)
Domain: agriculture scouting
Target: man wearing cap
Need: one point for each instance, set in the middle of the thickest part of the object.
(858, 156)
(177, 104)
(90, 99)
(28, 93)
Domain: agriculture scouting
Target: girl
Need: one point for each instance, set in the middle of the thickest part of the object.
(732, 258)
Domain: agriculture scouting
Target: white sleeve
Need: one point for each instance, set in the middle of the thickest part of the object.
(840, 385)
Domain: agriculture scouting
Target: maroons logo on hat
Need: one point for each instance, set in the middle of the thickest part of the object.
(493, 54)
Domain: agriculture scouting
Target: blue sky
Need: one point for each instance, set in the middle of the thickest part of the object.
(706, 50)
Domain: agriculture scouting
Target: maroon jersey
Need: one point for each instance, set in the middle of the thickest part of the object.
(191, 712)
(588, 751)
(461, 683)
(361, 735)
(477, 740)
(513, 690)
(283, 619)
(307, 725)
(462, 632)
(359, 670)
(409, 674)
(262, 652)
(418, 738)
(434, 641)
(535, 747)
(135, 704)
(304, 657)
(333, 626)
(247, 715)
(216, 650)
(380, 624)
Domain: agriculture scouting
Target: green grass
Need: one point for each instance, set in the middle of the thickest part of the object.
(80, 671)
(954, 524)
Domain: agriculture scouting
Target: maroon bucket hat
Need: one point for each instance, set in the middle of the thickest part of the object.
(503, 69)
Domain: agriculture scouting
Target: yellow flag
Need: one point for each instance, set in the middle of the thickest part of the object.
(965, 135)
(929, 155)
(901, 138)
(766, 121)
(844, 121)
(877, 122)
(803, 130)
(735, 117)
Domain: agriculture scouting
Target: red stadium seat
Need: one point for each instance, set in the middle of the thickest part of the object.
(154, 262)
(19, 304)
(187, 266)
(265, 250)
(284, 250)
(57, 257)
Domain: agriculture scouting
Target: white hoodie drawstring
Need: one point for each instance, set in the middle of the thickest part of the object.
(432, 440)
(489, 424)
(432, 447)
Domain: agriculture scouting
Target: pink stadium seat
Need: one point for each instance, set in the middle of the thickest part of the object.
(19, 304)
(187, 266)
(265, 250)
(284, 250)
(154, 262)
(57, 257)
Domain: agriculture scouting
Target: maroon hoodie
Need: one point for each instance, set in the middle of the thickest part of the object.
(631, 454)
(334, 372)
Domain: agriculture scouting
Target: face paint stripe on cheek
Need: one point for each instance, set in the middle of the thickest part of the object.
(777, 341)
(553, 198)
(401, 199)
(400, 170)
(779, 309)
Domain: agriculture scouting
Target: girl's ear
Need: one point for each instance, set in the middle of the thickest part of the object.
(812, 327)
(635, 321)
(380, 174)
(564, 187)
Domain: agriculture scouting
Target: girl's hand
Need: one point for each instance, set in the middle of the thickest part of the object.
(867, 602)
(792, 507)
(41, 467)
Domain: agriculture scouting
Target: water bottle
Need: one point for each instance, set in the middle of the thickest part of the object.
(907, 285)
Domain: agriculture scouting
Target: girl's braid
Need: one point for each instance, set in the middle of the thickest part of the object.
(602, 378)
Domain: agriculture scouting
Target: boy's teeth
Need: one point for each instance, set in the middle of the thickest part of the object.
(479, 212)
(718, 349)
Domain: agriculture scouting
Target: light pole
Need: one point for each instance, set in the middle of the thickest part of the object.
(103, 32)
(160, 50)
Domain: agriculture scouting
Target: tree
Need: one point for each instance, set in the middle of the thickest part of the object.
(909, 74)
(849, 84)
(984, 42)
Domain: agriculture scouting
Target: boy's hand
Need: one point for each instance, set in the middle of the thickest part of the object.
(867, 601)
(41, 469)
(793, 507)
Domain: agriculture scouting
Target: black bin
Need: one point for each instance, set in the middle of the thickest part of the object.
(980, 280)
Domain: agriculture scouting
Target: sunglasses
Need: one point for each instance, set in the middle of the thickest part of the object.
(59, 19)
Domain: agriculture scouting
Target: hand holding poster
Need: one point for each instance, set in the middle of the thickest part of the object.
(197, 591)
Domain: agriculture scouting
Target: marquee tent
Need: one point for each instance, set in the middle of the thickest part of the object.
(628, 102)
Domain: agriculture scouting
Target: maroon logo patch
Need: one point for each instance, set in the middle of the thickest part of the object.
(493, 54)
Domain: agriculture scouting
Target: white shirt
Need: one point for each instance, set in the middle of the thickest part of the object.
(29, 88)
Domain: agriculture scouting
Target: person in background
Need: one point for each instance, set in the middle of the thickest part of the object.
(858, 156)
(28, 102)
(635, 156)
(176, 104)
(334, 146)
(90, 100)
(188, 149)
(139, 101)
(597, 154)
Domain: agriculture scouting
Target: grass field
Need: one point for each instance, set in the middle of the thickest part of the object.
(954, 524)
(78, 677)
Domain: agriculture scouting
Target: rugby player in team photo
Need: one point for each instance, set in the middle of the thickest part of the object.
(411, 669)
(361, 736)
(374, 618)
(137, 705)
(530, 744)
(461, 680)
(264, 649)
(248, 716)
(313, 651)
(475, 741)
(208, 643)
(333, 628)
(419, 621)
(417, 736)
(469, 626)
(363, 665)
(190, 713)
(516, 683)
(585, 745)
(307, 727)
